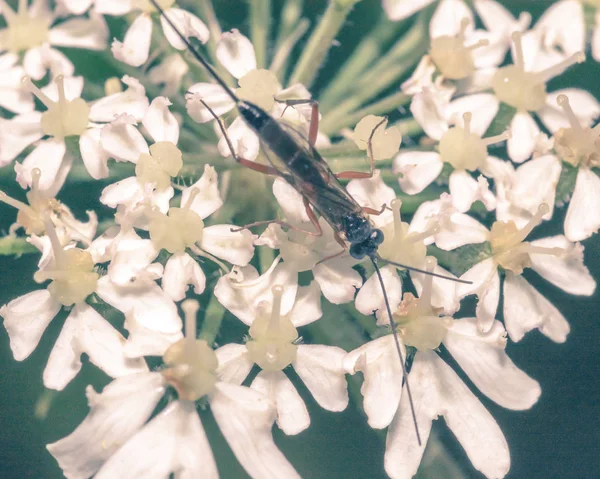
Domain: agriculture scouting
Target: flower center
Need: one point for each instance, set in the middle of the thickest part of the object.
(179, 229)
(577, 145)
(272, 337)
(31, 216)
(23, 31)
(465, 150)
(163, 162)
(508, 246)
(401, 246)
(64, 117)
(419, 324)
(452, 57)
(384, 142)
(71, 271)
(259, 87)
(191, 362)
(147, 7)
(526, 91)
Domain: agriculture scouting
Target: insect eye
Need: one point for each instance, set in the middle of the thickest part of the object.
(377, 237)
(358, 250)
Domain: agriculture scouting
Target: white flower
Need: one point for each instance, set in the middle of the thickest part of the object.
(436, 388)
(272, 345)
(461, 146)
(32, 30)
(67, 115)
(12, 96)
(135, 47)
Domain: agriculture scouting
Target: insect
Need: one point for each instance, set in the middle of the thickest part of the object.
(303, 168)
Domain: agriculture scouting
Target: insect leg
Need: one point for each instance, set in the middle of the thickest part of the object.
(265, 169)
(311, 215)
(314, 116)
(373, 211)
(362, 174)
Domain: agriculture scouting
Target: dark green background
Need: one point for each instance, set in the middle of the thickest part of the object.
(559, 437)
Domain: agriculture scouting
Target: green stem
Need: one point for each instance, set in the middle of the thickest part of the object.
(212, 321)
(409, 127)
(208, 14)
(281, 58)
(260, 24)
(320, 42)
(290, 16)
(367, 51)
(16, 246)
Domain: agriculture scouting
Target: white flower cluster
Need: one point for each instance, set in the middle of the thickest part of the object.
(160, 239)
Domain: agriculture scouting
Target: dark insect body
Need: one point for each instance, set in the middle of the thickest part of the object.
(301, 165)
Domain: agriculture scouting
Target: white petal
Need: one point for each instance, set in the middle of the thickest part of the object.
(38, 60)
(172, 442)
(400, 9)
(496, 17)
(566, 272)
(307, 307)
(437, 389)
(373, 193)
(26, 319)
(290, 201)
(486, 285)
(236, 53)
(242, 290)
(482, 106)
(93, 155)
(382, 371)
(245, 417)
(143, 341)
(569, 36)
(150, 305)
(85, 331)
(483, 358)
(463, 188)
(237, 247)
(51, 158)
(207, 199)
(160, 122)
(524, 132)
(292, 415)
(443, 293)
(136, 44)
(428, 108)
(321, 369)
(584, 105)
(583, 215)
(234, 364)
(187, 23)
(596, 40)
(337, 279)
(213, 95)
(115, 415)
(113, 7)
(181, 270)
(535, 183)
(122, 140)
(370, 300)
(526, 309)
(448, 18)
(417, 170)
(245, 142)
(132, 102)
(90, 34)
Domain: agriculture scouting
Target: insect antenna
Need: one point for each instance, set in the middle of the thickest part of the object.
(397, 342)
(429, 273)
(195, 52)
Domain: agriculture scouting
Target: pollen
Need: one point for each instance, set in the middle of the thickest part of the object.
(419, 323)
(23, 30)
(401, 246)
(259, 87)
(466, 150)
(71, 271)
(179, 229)
(163, 162)
(509, 247)
(31, 216)
(191, 363)
(452, 57)
(272, 337)
(63, 117)
(577, 145)
(524, 90)
(385, 142)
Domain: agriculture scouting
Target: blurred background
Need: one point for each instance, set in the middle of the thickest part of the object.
(558, 437)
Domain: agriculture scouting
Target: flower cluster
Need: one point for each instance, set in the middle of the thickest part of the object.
(177, 246)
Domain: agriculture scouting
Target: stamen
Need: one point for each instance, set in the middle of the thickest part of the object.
(481, 43)
(559, 68)
(543, 209)
(22, 7)
(190, 309)
(57, 247)
(191, 198)
(417, 237)
(276, 310)
(9, 13)
(425, 297)
(467, 121)
(396, 205)
(563, 102)
(498, 138)
(28, 85)
(4, 198)
(60, 86)
(518, 60)
(464, 23)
